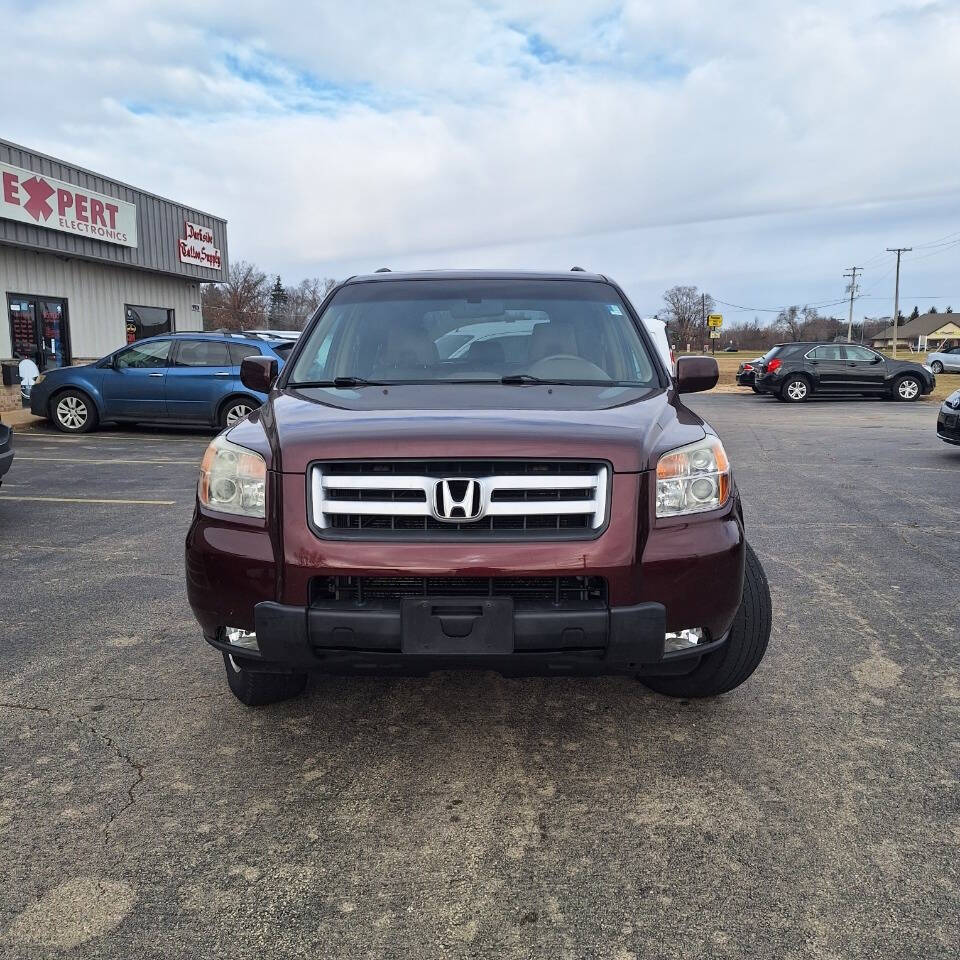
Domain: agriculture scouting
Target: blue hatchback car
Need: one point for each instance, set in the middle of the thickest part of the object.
(184, 378)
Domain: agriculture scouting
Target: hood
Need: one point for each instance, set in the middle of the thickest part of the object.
(628, 426)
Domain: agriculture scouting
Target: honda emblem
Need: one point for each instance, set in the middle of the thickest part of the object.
(456, 500)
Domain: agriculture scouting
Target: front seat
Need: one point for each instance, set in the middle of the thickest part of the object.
(406, 347)
(551, 339)
(486, 353)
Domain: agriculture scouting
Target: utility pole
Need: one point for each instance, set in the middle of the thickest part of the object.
(852, 274)
(703, 318)
(896, 294)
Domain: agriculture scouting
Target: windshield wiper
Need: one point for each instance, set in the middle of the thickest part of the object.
(523, 378)
(529, 378)
(341, 382)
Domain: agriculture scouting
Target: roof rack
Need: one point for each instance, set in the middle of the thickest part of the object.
(383, 270)
(577, 270)
(223, 332)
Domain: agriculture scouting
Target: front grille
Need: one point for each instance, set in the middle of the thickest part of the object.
(507, 498)
(548, 589)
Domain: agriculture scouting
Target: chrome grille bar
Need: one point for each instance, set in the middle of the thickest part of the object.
(376, 495)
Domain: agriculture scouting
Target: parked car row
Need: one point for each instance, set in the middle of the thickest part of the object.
(189, 378)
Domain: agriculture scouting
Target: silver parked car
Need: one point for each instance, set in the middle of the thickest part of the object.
(945, 360)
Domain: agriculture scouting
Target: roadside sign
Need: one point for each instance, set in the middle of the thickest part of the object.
(714, 334)
(715, 320)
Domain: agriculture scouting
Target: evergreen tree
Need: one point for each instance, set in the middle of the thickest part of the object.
(933, 309)
(915, 314)
(278, 304)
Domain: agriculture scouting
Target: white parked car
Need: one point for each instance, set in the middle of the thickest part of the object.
(945, 361)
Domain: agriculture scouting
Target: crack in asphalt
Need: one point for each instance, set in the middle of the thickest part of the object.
(104, 738)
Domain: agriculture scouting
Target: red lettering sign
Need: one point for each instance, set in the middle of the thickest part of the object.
(10, 194)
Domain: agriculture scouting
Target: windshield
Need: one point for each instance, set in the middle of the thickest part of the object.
(425, 331)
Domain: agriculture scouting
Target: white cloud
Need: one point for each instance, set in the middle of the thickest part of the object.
(755, 148)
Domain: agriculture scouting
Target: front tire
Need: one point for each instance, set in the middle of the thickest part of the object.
(907, 389)
(754, 389)
(729, 666)
(795, 390)
(258, 689)
(937, 367)
(72, 411)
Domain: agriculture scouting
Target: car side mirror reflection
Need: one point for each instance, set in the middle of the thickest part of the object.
(696, 373)
(258, 373)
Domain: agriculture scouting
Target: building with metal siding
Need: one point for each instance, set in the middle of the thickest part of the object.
(88, 263)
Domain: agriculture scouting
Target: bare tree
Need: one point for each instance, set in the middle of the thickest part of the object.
(303, 299)
(686, 313)
(239, 303)
(789, 324)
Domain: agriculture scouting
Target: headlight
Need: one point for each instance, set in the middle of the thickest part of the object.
(953, 401)
(233, 479)
(693, 478)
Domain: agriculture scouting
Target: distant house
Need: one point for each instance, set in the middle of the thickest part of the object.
(927, 332)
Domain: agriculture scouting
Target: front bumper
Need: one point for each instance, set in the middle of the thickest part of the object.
(536, 640)
(948, 425)
(667, 575)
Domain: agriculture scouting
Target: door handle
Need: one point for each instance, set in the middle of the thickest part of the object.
(154, 374)
(221, 373)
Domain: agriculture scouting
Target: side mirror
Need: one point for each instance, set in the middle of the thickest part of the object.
(258, 373)
(877, 360)
(696, 373)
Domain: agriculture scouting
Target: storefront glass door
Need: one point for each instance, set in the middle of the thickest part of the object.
(39, 330)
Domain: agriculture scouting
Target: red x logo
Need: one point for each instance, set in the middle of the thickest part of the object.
(40, 192)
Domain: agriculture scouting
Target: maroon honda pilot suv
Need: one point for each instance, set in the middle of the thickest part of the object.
(475, 470)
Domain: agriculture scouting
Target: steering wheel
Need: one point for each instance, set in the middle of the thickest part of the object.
(563, 365)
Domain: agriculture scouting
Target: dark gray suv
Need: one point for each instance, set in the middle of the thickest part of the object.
(795, 371)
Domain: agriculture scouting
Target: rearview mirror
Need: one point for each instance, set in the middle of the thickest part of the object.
(696, 373)
(258, 373)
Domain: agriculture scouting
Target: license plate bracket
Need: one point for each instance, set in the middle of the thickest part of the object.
(457, 626)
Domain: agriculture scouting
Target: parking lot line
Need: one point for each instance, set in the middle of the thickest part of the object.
(155, 503)
(98, 461)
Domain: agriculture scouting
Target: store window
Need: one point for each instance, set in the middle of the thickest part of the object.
(39, 331)
(145, 322)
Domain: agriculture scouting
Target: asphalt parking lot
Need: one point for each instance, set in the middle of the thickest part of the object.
(813, 812)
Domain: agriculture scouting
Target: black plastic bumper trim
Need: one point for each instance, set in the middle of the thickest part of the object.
(334, 637)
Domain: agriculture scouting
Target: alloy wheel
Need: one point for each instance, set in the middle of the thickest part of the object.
(237, 412)
(72, 413)
(936, 366)
(796, 390)
(908, 389)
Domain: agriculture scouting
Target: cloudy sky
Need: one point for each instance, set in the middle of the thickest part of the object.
(756, 149)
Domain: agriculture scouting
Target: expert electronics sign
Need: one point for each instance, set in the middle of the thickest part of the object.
(42, 201)
(197, 247)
